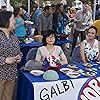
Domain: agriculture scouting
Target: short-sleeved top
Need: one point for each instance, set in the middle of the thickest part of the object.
(43, 52)
(91, 53)
(20, 30)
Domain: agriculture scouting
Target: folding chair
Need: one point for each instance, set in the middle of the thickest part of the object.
(31, 54)
(76, 54)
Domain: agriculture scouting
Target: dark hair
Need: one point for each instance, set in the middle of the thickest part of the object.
(58, 6)
(5, 18)
(24, 7)
(46, 8)
(16, 11)
(93, 28)
(46, 34)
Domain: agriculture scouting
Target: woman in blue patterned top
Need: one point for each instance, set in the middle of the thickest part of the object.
(60, 20)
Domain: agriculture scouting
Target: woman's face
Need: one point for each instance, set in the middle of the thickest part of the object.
(50, 39)
(12, 23)
(91, 33)
(61, 8)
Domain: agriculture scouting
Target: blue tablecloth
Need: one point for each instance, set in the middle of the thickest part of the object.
(25, 87)
(38, 44)
(26, 47)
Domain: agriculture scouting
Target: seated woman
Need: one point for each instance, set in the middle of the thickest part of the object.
(50, 49)
(89, 48)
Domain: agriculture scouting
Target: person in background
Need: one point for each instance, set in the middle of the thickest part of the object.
(49, 48)
(44, 21)
(90, 7)
(72, 13)
(90, 47)
(10, 55)
(82, 21)
(60, 20)
(53, 7)
(20, 27)
(36, 13)
(97, 13)
(26, 17)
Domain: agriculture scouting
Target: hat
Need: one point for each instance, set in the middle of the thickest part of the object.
(50, 75)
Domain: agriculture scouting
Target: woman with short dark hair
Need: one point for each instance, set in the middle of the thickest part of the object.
(90, 48)
(50, 49)
(10, 55)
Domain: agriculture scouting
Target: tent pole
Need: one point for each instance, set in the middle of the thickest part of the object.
(94, 10)
(29, 7)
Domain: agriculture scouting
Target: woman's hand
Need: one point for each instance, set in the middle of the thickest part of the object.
(10, 60)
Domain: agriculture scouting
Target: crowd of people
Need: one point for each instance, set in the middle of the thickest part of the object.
(49, 21)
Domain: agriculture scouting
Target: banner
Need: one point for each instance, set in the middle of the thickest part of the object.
(75, 89)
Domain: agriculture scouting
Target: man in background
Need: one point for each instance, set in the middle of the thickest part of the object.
(44, 21)
(82, 21)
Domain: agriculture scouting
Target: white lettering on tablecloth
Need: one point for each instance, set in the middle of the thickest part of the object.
(55, 90)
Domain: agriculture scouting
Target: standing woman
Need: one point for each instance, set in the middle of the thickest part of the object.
(10, 55)
(20, 27)
(90, 47)
(60, 20)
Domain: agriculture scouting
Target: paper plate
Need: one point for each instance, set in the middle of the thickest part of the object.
(73, 75)
(87, 64)
(72, 66)
(65, 70)
(37, 72)
(91, 73)
(89, 69)
(28, 22)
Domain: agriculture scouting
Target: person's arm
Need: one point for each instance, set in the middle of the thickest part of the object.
(63, 57)
(77, 17)
(90, 21)
(82, 54)
(98, 58)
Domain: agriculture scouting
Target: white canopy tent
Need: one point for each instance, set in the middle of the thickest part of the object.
(5, 3)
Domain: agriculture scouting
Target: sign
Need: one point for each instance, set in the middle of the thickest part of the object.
(75, 89)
